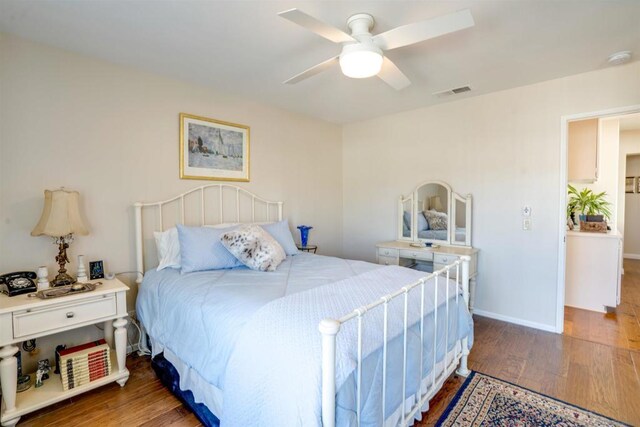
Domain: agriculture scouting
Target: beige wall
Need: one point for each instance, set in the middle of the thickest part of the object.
(630, 149)
(629, 144)
(632, 212)
(504, 149)
(111, 133)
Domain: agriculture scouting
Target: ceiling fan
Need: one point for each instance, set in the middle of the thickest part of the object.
(362, 53)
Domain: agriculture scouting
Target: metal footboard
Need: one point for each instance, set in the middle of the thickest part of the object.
(329, 329)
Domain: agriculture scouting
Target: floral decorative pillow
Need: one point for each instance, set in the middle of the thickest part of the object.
(254, 247)
(437, 220)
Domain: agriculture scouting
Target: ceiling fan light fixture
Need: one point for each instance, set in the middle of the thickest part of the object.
(360, 60)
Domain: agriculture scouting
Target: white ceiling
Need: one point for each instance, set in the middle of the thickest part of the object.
(243, 48)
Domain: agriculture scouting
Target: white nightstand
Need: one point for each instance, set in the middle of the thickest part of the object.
(23, 318)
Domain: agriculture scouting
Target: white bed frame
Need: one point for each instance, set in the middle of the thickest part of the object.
(329, 328)
(236, 192)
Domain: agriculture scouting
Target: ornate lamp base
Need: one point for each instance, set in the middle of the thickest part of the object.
(63, 278)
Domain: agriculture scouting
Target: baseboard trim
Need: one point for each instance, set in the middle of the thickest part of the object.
(515, 320)
(631, 256)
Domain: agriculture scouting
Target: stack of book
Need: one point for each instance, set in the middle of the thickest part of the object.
(84, 363)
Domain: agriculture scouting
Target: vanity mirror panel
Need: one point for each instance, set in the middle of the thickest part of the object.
(433, 213)
(405, 223)
(461, 214)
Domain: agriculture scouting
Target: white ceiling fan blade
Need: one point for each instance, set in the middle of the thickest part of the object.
(424, 30)
(316, 69)
(392, 75)
(312, 24)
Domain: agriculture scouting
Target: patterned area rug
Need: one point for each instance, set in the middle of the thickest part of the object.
(487, 401)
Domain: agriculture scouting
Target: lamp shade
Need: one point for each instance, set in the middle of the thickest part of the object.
(436, 203)
(60, 215)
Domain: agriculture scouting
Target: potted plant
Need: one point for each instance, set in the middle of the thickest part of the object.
(587, 203)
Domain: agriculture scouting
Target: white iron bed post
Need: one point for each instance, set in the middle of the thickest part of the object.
(329, 329)
(139, 256)
(463, 371)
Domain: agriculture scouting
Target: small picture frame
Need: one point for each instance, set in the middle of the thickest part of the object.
(96, 270)
(637, 178)
(630, 184)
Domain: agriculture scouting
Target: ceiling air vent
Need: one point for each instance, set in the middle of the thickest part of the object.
(454, 91)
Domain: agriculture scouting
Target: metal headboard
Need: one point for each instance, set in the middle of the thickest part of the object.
(239, 192)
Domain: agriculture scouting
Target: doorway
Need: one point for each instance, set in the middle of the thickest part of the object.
(609, 168)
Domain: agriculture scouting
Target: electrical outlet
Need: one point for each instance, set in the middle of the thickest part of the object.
(526, 224)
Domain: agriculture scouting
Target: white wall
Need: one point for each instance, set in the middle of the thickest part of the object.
(632, 211)
(111, 133)
(504, 149)
(629, 145)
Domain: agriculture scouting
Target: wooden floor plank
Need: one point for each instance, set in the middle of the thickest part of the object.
(621, 328)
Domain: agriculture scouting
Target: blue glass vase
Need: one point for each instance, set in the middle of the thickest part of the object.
(304, 234)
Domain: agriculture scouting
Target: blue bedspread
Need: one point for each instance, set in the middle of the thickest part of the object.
(197, 317)
(214, 322)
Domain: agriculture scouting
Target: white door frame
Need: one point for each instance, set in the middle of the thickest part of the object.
(564, 180)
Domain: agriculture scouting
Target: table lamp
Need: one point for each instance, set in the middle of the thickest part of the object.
(436, 203)
(61, 220)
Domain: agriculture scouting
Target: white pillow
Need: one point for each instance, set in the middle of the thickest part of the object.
(168, 247)
(254, 247)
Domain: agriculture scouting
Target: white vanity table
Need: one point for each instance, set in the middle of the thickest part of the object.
(432, 214)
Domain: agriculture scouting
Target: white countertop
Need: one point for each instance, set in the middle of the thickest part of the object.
(607, 235)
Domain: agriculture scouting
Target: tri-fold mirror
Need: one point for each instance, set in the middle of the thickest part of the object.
(433, 213)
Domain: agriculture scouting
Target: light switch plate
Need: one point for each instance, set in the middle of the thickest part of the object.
(526, 224)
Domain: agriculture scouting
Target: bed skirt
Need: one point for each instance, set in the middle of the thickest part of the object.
(170, 378)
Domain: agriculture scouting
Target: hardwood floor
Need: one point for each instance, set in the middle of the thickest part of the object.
(620, 328)
(600, 374)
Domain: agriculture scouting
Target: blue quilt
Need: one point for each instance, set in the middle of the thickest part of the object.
(239, 330)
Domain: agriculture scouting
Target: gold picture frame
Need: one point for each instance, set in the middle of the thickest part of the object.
(214, 149)
(630, 184)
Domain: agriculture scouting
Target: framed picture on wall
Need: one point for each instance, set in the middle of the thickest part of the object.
(630, 184)
(213, 149)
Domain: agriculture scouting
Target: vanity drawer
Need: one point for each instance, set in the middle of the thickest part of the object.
(424, 256)
(387, 260)
(39, 320)
(444, 259)
(387, 252)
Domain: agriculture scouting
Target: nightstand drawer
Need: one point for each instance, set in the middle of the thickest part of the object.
(444, 259)
(39, 320)
(387, 252)
(422, 255)
(387, 260)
